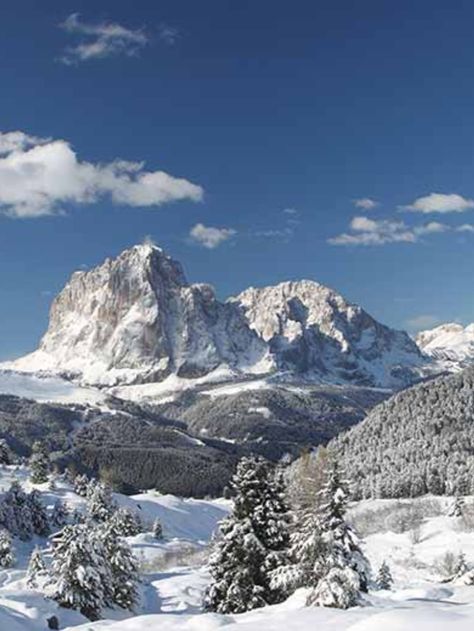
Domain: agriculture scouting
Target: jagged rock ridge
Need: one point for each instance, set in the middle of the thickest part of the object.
(135, 318)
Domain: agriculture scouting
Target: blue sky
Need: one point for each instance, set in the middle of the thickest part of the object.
(271, 119)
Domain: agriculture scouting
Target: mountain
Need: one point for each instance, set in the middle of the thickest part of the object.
(418, 441)
(311, 329)
(450, 343)
(136, 319)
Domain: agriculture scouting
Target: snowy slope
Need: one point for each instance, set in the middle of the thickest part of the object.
(47, 388)
(135, 319)
(171, 595)
(451, 343)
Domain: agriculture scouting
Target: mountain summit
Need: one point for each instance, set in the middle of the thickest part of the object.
(136, 319)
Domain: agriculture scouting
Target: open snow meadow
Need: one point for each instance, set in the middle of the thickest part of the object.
(419, 539)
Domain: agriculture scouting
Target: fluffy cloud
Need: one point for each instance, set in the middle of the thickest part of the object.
(99, 40)
(420, 322)
(38, 176)
(440, 203)
(365, 203)
(210, 237)
(365, 231)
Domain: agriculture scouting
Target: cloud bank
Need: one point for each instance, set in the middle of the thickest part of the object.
(39, 176)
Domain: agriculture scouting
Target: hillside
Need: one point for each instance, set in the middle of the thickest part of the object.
(419, 441)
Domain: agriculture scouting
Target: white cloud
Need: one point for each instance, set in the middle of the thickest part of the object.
(420, 322)
(465, 227)
(366, 203)
(210, 237)
(366, 231)
(168, 34)
(39, 176)
(440, 203)
(290, 211)
(100, 40)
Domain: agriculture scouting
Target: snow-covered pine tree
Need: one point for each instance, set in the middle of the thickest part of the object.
(15, 512)
(80, 571)
(39, 463)
(125, 523)
(252, 542)
(460, 567)
(59, 514)
(7, 558)
(122, 590)
(384, 578)
(81, 485)
(456, 509)
(39, 515)
(157, 529)
(36, 567)
(344, 569)
(5, 454)
(100, 505)
(306, 549)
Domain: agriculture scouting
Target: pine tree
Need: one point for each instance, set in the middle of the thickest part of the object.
(81, 485)
(36, 568)
(457, 507)
(39, 463)
(384, 578)
(344, 569)
(123, 567)
(39, 515)
(15, 512)
(59, 515)
(125, 523)
(252, 542)
(460, 567)
(100, 505)
(81, 577)
(7, 558)
(5, 454)
(157, 529)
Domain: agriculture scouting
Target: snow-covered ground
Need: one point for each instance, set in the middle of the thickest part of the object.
(175, 575)
(47, 389)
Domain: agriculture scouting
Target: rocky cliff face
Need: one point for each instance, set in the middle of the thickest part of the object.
(135, 318)
(312, 329)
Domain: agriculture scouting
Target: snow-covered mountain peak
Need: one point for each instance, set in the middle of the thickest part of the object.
(135, 318)
(450, 342)
(314, 329)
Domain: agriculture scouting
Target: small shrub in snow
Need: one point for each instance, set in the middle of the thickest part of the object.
(157, 530)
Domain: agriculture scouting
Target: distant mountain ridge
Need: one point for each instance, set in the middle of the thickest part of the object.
(450, 342)
(136, 319)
